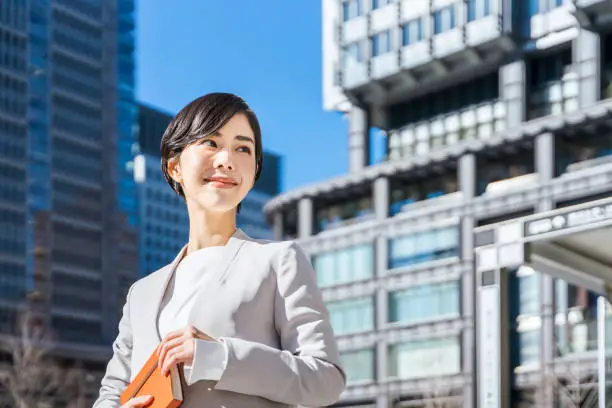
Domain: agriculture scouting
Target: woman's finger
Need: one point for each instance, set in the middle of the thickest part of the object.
(139, 402)
(172, 335)
(166, 347)
(175, 356)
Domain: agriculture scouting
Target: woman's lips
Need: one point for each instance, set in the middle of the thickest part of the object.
(221, 182)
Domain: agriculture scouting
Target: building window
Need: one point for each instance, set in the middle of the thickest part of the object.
(529, 345)
(606, 65)
(412, 32)
(493, 171)
(405, 192)
(352, 54)
(477, 9)
(524, 286)
(470, 110)
(331, 215)
(574, 152)
(344, 265)
(381, 43)
(290, 223)
(352, 315)
(553, 85)
(424, 302)
(575, 318)
(444, 19)
(424, 246)
(351, 9)
(358, 365)
(425, 358)
(380, 3)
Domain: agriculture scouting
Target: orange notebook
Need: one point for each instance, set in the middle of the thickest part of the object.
(166, 391)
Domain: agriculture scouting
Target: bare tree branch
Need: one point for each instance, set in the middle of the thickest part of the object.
(33, 378)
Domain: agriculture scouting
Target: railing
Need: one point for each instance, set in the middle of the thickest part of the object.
(480, 121)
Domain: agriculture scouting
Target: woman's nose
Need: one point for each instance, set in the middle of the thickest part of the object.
(223, 159)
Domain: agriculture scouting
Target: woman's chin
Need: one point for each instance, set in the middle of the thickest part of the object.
(217, 207)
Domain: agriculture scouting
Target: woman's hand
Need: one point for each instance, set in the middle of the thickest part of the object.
(178, 347)
(139, 402)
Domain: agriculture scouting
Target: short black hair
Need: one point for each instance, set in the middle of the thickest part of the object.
(201, 118)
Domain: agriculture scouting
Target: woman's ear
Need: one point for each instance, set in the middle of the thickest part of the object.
(174, 169)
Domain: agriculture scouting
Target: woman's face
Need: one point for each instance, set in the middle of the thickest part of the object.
(217, 172)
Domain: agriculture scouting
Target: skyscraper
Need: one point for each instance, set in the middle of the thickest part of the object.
(68, 216)
(468, 267)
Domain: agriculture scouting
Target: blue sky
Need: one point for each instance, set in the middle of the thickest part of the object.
(268, 51)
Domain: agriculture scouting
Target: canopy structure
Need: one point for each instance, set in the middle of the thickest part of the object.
(572, 243)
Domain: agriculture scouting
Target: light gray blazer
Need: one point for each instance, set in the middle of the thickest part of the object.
(266, 306)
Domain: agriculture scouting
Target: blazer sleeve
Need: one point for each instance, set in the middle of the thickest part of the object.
(118, 371)
(306, 371)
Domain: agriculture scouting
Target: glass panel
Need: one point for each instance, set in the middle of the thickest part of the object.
(575, 319)
(424, 358)
(352, 315)
(344, 265)
(358, 365)
(423, 247)
(423, 302)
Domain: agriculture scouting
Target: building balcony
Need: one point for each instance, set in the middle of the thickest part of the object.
(483, 31)
(417, 391)
(445, 388)
(554, 97)
(476, 122)
(417, 53)
(354, 29)
(355, 74)
(359, 392)
(589, 181)
(448, 43)
(553, 22)
(384, 65)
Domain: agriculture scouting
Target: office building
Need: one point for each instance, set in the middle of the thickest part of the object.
(251, 218)
(470, 267)
(68, 225)
(163, 215)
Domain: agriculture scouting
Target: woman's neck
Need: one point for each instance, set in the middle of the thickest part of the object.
(210, 229)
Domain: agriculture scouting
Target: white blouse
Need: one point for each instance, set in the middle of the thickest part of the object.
(193, 272)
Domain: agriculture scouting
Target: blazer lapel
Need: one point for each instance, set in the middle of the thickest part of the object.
(158, 295)
(231, 250)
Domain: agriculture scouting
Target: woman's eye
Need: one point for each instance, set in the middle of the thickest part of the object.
(209, 142)
(244, 149)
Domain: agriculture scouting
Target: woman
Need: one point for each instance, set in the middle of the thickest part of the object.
(243, 318)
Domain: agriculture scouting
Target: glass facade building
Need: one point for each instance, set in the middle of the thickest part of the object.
(68, 223)
(496, 115)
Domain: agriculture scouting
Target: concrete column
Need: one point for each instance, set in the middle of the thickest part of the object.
(512, 92)
(468, 307)
(382, 313)
(467, 175)
(545, 167)
(586, 57)
(277, 225)
(545, 159)
(381, 198)
(358, 139)
(305, 218)
(467, 185)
